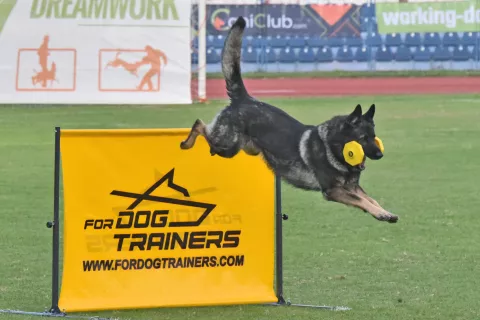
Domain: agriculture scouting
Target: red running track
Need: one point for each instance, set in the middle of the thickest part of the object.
(314, 87)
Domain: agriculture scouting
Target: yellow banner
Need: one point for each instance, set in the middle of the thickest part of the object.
(147, 224)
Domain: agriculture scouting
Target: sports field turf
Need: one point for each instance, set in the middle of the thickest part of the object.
(424, 267)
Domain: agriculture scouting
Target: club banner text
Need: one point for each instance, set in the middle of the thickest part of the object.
(455, 16)
(320, 20)
(147, 224)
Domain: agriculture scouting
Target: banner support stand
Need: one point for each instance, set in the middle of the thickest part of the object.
(279, 240)
(279, 217)
(55, 224)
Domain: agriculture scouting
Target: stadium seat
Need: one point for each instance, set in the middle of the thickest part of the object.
(259, 42)
(218, 42)
(421, 54)
(287, 55)
(475, 55)
(210, 40)
(368, 25)
(441, 54)
(278, 42)
(306, 55)
(451, 39)
(315, 42)
(269, 55)
(335, 42)
(393, 40)
(194, 57)
(367, 10)
(374, 40)
(249, 55)
(354, 42)
(325, 54)
(403, 54)
(247, 42)
(413, 39)
(361, 55)
(195, 42)
(213, 56)
(469, 39)
(460, 53)
(296, 42)
(432, 39)
(345, 54)
(384, 54)
(364, 24)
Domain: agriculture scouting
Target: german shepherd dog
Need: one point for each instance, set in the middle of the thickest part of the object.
(308, 157)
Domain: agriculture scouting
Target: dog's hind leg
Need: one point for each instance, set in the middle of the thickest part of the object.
(352, 198)
(225, 148)
(198, 128)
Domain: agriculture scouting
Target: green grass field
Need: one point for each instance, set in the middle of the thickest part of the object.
(424, 267)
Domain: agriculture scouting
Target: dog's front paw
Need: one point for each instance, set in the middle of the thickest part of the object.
(183, 145)
(387, 216)
(393, 218)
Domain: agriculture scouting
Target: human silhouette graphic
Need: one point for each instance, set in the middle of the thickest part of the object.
(153, 58)
(45, 74)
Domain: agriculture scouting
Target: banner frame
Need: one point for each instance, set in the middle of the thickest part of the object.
(55, 224)
(55, 311)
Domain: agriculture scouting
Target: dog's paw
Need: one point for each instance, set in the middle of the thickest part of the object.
(183, 145)
(387, 216)
(393, 218)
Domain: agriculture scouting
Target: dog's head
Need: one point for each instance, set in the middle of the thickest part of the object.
(361, 128)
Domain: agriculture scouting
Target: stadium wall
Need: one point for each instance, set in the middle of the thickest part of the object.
(303, 36)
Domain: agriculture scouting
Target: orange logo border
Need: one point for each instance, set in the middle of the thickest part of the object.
(42, 89)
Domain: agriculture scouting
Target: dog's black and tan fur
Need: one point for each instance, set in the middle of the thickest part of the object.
(306, 156)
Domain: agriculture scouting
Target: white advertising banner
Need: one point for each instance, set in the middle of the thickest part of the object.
(95, 52)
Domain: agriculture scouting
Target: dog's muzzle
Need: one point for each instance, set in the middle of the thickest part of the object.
(376, 156)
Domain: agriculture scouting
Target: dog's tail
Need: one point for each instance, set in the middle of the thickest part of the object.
(231, 61)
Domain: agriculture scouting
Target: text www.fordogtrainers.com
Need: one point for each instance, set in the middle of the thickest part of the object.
(164, 263)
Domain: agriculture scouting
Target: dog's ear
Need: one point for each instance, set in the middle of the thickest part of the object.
(355, 116)
(370, 113)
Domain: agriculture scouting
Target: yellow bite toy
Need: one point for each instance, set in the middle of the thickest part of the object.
(353, 153)
(379, 144)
